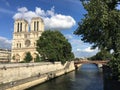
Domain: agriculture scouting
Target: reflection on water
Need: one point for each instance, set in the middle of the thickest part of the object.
(88, 77)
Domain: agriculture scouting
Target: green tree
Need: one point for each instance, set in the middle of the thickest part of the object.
(28, 57)
(101, 28)
(37, 59)
(53, 46)
(102, 55)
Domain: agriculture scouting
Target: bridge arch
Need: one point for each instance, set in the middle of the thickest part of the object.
(98, 63)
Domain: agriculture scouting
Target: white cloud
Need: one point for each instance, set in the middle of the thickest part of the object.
(3, 10)
(5, 43)
(76, 44)
(40, 12)
(88, 49)
(25, 14)
(23, 9)
(76, 41)
(118, 6)
(51, 12)
(82, 54)
(51, 19)
(85, 52)
(59, 21)
(79, 48)
(68, 36)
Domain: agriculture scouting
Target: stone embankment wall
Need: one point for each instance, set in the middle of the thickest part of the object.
(77, 66)
(25, 75)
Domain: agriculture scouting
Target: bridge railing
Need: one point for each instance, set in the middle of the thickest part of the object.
(95, 61)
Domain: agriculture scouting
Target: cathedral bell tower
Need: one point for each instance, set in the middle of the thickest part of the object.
(25, 37)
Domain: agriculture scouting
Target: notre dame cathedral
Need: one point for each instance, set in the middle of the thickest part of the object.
(24, 38)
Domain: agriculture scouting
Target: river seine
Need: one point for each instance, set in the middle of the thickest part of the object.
(88, 77)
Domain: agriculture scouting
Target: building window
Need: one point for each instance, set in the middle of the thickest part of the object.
(34, 26)
(37, 25)
(20, 45)
(18, 27)
(17, 45)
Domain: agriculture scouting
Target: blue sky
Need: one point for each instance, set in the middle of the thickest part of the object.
(57, 14)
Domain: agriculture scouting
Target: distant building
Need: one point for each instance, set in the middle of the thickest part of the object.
(5, 55)
(25, 37)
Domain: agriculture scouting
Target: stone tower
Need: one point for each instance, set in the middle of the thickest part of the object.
(24, 38)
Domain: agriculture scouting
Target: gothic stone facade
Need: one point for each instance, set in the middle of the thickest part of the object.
(25, 37)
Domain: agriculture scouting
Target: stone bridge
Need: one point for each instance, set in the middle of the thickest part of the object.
(100, 63)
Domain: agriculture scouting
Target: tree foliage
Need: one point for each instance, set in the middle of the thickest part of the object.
(102, 55)
(52, 45)
(37, 59)
(28, 57)
(101, 28)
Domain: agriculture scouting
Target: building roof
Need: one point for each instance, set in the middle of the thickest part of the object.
(21, 19)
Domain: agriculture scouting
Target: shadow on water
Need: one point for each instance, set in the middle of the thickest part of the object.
(88, 77)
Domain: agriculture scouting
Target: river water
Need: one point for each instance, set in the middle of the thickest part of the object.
(88, 77)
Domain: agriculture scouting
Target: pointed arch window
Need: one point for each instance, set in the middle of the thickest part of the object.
(18, 27)
(17, 45)
(20, 45)
(37, 25)
(34, 26)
